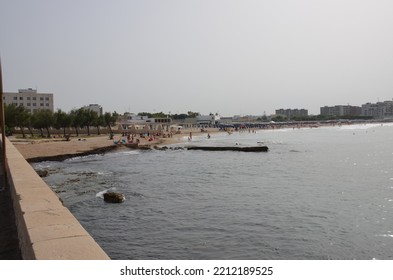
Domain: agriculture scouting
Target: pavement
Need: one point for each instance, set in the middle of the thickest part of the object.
(9, 243)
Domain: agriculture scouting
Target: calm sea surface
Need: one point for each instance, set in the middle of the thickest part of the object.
(321, 193)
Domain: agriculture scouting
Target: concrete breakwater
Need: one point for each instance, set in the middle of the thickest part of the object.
(46, 229)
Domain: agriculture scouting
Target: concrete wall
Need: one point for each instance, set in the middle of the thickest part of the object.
(47, 230)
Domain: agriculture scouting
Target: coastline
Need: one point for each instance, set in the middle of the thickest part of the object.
(57, 149)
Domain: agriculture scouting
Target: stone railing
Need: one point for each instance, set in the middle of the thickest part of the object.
(47, 230)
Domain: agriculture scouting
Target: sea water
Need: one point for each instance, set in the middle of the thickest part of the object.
(319, 193)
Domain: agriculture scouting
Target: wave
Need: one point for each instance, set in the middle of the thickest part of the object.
(101, 193)
(136, 152)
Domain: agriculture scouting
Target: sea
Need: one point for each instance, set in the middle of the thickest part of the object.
(318, 193)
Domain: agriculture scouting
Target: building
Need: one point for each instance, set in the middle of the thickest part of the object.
(30, 99)
(95, 108)
(207, 120)
(379, 110)
(340, 110)
(131, 123)
(291, 113)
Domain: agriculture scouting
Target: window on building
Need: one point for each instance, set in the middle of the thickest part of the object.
(42, 104)
(34, 98)
(41, 98)
(28, 98)
(20, 97)
(46, 98)
(34, 104)
(15, 98)
(15, 103)
(47, 104)
(28, 104)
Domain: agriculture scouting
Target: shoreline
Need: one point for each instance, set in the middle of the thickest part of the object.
(57, 149)
(38, 150)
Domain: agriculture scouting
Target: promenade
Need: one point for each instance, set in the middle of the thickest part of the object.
(9, 243)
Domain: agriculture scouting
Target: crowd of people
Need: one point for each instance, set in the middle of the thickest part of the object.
(129, 138)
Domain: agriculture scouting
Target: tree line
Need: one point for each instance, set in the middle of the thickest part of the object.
(44, 120)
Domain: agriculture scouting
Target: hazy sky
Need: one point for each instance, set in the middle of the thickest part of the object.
(225, 56)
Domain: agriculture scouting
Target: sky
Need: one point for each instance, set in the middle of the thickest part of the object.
(231, 57)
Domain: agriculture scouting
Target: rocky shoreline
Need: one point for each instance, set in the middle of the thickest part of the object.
(63, 157)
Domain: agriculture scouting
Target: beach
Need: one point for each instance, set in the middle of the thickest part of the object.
(35, 150)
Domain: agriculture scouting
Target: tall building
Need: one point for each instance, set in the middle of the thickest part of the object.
(94, 107)
(30, 99)
(291, 113)
(341, 110)
(379, 110)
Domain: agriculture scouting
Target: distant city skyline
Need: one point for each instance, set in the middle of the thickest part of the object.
(225, 56)
(100, 110)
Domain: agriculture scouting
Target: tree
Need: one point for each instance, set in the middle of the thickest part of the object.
(279, 119)
(110, 120)
(77, 121)
(62, 121)
(192, 114)
(98, 122)
(43, 119)
(22, 118)
(89, 118)
(10, 113)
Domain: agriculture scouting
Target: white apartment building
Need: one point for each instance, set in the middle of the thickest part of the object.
(129, 120)
(207, 119)
(379, 110)
(30, 99)
(290, 113)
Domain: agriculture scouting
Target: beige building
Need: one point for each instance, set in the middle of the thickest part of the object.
(30, 99)
(290, 113)
(94, 107)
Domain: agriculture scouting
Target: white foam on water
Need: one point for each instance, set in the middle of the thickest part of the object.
(101, 193)
(131, 152)
(386, 235)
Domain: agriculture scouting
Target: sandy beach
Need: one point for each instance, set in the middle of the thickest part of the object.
(35, 150)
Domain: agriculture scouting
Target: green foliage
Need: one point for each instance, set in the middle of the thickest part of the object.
(110, 120)
(189, 114)
(10, 113)
(43, 119)
(279, 119)
(19, 116)
(153, 115)
(192, 114)
(179, 116)
(62, 120)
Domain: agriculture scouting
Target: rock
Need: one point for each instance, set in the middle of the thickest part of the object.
(114, 197)
(42, 173)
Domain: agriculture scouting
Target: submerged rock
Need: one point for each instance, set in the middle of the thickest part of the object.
(114, 197)
(42, 173)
